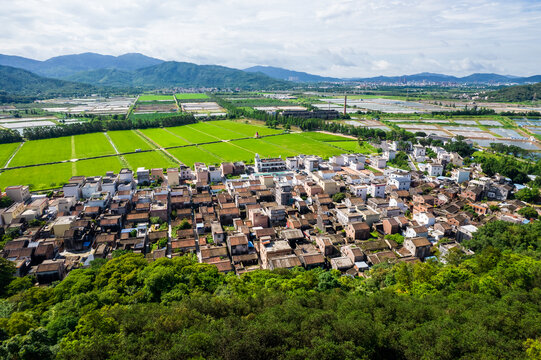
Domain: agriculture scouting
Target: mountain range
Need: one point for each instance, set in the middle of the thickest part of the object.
(61, 67)
(125, 70)
(179, 74)
(129, 71)
(18, 85)
(89, 73)
(478, 78)
(290, 75)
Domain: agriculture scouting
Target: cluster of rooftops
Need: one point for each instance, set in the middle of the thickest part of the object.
(349, 212)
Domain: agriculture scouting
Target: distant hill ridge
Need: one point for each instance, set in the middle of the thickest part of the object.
(180, 74)
(19, 84)
(66, 65)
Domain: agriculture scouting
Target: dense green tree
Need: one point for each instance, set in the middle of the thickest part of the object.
(7, 270)
(338, 197)
(528, 212)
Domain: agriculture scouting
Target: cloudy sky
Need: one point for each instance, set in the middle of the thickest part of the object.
(334, 38)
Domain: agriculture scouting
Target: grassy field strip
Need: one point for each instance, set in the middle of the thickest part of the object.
(121, 158)
(98, 166)
(180, 137)
(229, 152)
(42, 177)
(240, 147)
(223, 127)
(162, 151)
(73, 155)
(151, 97)
(93, 144)
(222, 133)
(163, 138)
(248, 130)
(43, 151)
(191, 96)
(211, 153)
(268, 150)
(128, 141)
(279, 145)
(193, 136)
(191, 154)
(202, 132)
(10, 154)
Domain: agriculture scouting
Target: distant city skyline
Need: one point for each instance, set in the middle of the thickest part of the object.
(345, 39)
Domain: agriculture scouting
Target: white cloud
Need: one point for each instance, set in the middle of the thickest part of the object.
(348, 38)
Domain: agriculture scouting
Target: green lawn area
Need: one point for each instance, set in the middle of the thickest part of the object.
(43, 151)
(324, 137)
(151, 159)
(353, 146)
(151, 97)
(191, 134)
(191, 96)
(128, 141)
(229, 152)
(38, 177)
(163, 137)
(6, 150)
(217, 131)
(98, 166)
(303, 145)
(94, 144)
(263, 148)
(244, 129)
(191, 154)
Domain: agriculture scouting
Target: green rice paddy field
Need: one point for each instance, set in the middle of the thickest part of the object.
(151, 97)
(191, 96)
(188, 144)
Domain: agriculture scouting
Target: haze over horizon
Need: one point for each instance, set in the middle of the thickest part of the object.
(349, 39)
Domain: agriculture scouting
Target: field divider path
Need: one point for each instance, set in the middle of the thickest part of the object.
(211, 153)
(232, 142)
(223, 128)
(161, 150)
(121, 157)
(13, 155)
(202, 132)
(180, 137)
(176, 102)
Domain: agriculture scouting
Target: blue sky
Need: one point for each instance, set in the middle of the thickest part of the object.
(343, 38)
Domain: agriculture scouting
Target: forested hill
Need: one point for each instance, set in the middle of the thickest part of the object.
(517, 93)
(485, 306)
(181, 74)
(284, 74)
(19, 83)
(61, 67)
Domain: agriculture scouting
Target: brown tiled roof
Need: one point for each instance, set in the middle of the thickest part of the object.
(185, 243)
(52, 266)
(421, 241)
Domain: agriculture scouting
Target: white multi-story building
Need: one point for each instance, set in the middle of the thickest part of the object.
(460, 175)
(434, 169)
(292, 163)
(419, 152)
(18, 193)
(377, 190)
(424, 218)
(400, 179)
(215, 174)
(269, 164)
(311, 163)
(359, 191)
